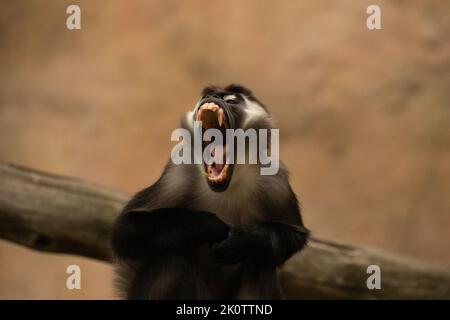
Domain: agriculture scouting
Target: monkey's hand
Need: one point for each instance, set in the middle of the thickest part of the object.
(268, 243)
(208, 228)
(143, 233)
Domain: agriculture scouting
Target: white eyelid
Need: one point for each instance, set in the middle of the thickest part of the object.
(229, 97)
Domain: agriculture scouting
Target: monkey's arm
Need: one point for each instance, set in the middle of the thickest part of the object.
(144, 233)
(265, 242)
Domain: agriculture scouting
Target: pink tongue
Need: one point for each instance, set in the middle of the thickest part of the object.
(219, 156)
(218, 167)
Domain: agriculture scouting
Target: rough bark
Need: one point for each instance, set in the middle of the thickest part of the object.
(66, 215)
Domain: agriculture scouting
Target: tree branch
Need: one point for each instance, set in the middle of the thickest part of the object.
(59, 214)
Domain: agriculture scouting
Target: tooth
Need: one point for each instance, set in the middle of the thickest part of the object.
(220, 117)
(199, 114)
(212, 106)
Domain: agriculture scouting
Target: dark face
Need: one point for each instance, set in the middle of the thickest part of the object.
(218, 109)
(225, 108)
(232, 107)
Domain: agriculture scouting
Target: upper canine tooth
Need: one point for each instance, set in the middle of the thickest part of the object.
(199, 114)
(220, 117)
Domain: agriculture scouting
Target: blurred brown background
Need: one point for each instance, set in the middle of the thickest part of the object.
(364, 115)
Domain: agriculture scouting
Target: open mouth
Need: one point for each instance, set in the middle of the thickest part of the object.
(218, 173)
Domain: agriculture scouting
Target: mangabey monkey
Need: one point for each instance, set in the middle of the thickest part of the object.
(210, 231)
